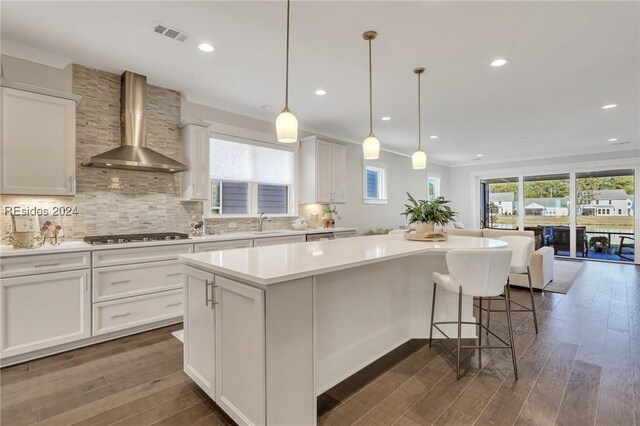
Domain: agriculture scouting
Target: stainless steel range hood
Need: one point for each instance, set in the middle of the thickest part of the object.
(133, 154)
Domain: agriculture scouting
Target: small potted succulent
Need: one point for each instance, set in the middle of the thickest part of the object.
(427, 214)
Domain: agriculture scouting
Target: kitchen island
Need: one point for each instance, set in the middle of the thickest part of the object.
(267, 329)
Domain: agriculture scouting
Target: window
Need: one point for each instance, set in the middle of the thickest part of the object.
(375, 185)
(247, 179)
(433, 188)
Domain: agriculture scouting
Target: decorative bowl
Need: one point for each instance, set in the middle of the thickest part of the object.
(300, 226)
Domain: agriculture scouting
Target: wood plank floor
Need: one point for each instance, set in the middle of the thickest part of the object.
(582, 369)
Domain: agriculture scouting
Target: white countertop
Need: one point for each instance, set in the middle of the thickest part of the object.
(273, 264)
(76, 246)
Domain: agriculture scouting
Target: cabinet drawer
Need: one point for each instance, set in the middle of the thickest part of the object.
(112, 257)
(223, 245)
(134, 311)
(40, 264)
(116, 282)
(272, 241)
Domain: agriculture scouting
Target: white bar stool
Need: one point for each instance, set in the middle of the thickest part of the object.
(477, 273)
(522, 248)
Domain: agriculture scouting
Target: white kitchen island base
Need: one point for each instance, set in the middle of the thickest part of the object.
(267, 335)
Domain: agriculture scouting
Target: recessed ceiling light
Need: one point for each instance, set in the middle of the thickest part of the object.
(387, 118)
(321, 92)
(108, 164)
(608, 106)
(499, 62)
(205, 47)
(433, 137)
(266, 107)
(480, 155)
(613, 139)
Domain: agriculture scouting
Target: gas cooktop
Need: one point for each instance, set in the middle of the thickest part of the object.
(134, 238)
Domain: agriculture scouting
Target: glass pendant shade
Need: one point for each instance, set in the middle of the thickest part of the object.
(371, 148)
(287, 127)
(419, 160)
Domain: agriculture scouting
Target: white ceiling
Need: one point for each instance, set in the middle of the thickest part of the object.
(566, 60)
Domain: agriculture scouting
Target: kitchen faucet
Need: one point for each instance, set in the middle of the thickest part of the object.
(261, 219)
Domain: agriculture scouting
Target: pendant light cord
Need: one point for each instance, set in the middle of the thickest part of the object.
(370, 94)
(419, 117)
(286, 84)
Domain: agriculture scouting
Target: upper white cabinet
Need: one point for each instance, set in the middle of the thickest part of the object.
(322, 171)
(195, 181)
(38, 149)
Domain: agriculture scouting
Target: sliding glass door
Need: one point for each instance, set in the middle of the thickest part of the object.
(546, 211)
(605, 214)
(592, 219)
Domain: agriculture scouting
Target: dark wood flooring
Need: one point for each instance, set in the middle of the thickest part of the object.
(583, 368)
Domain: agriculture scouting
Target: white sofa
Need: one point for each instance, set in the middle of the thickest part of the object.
(541, 263)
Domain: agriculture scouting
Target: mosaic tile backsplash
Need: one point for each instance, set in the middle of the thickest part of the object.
(123, 201)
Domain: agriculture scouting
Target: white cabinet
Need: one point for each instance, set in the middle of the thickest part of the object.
(37, 152)
(272, 241)
(41, 311)
(345, 234)
(322, 171)
(224, 343)
(199, 329)
(195, 182)
(222, 245)
(240, 351)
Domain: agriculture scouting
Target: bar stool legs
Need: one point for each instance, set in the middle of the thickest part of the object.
(510, 345)
(507, 302)
(524, 308)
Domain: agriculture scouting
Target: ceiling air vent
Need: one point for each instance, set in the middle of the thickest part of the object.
(623, 143)
(171, 32)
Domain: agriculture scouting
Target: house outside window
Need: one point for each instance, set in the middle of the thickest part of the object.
(433, 188)
(375, 185)
(248, 179)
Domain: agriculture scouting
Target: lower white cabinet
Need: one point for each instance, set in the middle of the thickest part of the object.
(131, 312)
(224, 343)
(41, 311)
(199, 329)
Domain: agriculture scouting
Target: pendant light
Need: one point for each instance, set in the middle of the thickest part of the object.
(371, 145)
(287, 123)
(419, 158)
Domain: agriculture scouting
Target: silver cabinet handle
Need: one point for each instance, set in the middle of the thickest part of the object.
(119, 282)
(174, 304)
(120, 316)
(213, 292)
(42, 265)
(174, 275)
(206, 293)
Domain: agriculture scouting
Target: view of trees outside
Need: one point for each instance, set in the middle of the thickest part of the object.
(604, 206)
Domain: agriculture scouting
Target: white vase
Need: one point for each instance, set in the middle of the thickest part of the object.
(424, 227)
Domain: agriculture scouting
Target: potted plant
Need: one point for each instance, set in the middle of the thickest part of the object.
(599, 243)
(426, 214)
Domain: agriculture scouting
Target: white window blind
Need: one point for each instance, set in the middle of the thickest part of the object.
(233, 161)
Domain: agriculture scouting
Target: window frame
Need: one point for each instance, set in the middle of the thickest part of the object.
(438, 190)
(292, 207)
(382, 187)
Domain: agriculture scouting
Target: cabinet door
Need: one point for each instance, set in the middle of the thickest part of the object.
(199, 329)
(324, 192)
(37, 153)
(338, 173)
(195, 182)
(240, 351)
(41, 311)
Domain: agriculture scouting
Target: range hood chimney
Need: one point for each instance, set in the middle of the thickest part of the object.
(133, 154)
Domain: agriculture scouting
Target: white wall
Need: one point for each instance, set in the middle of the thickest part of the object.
(400, 175)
